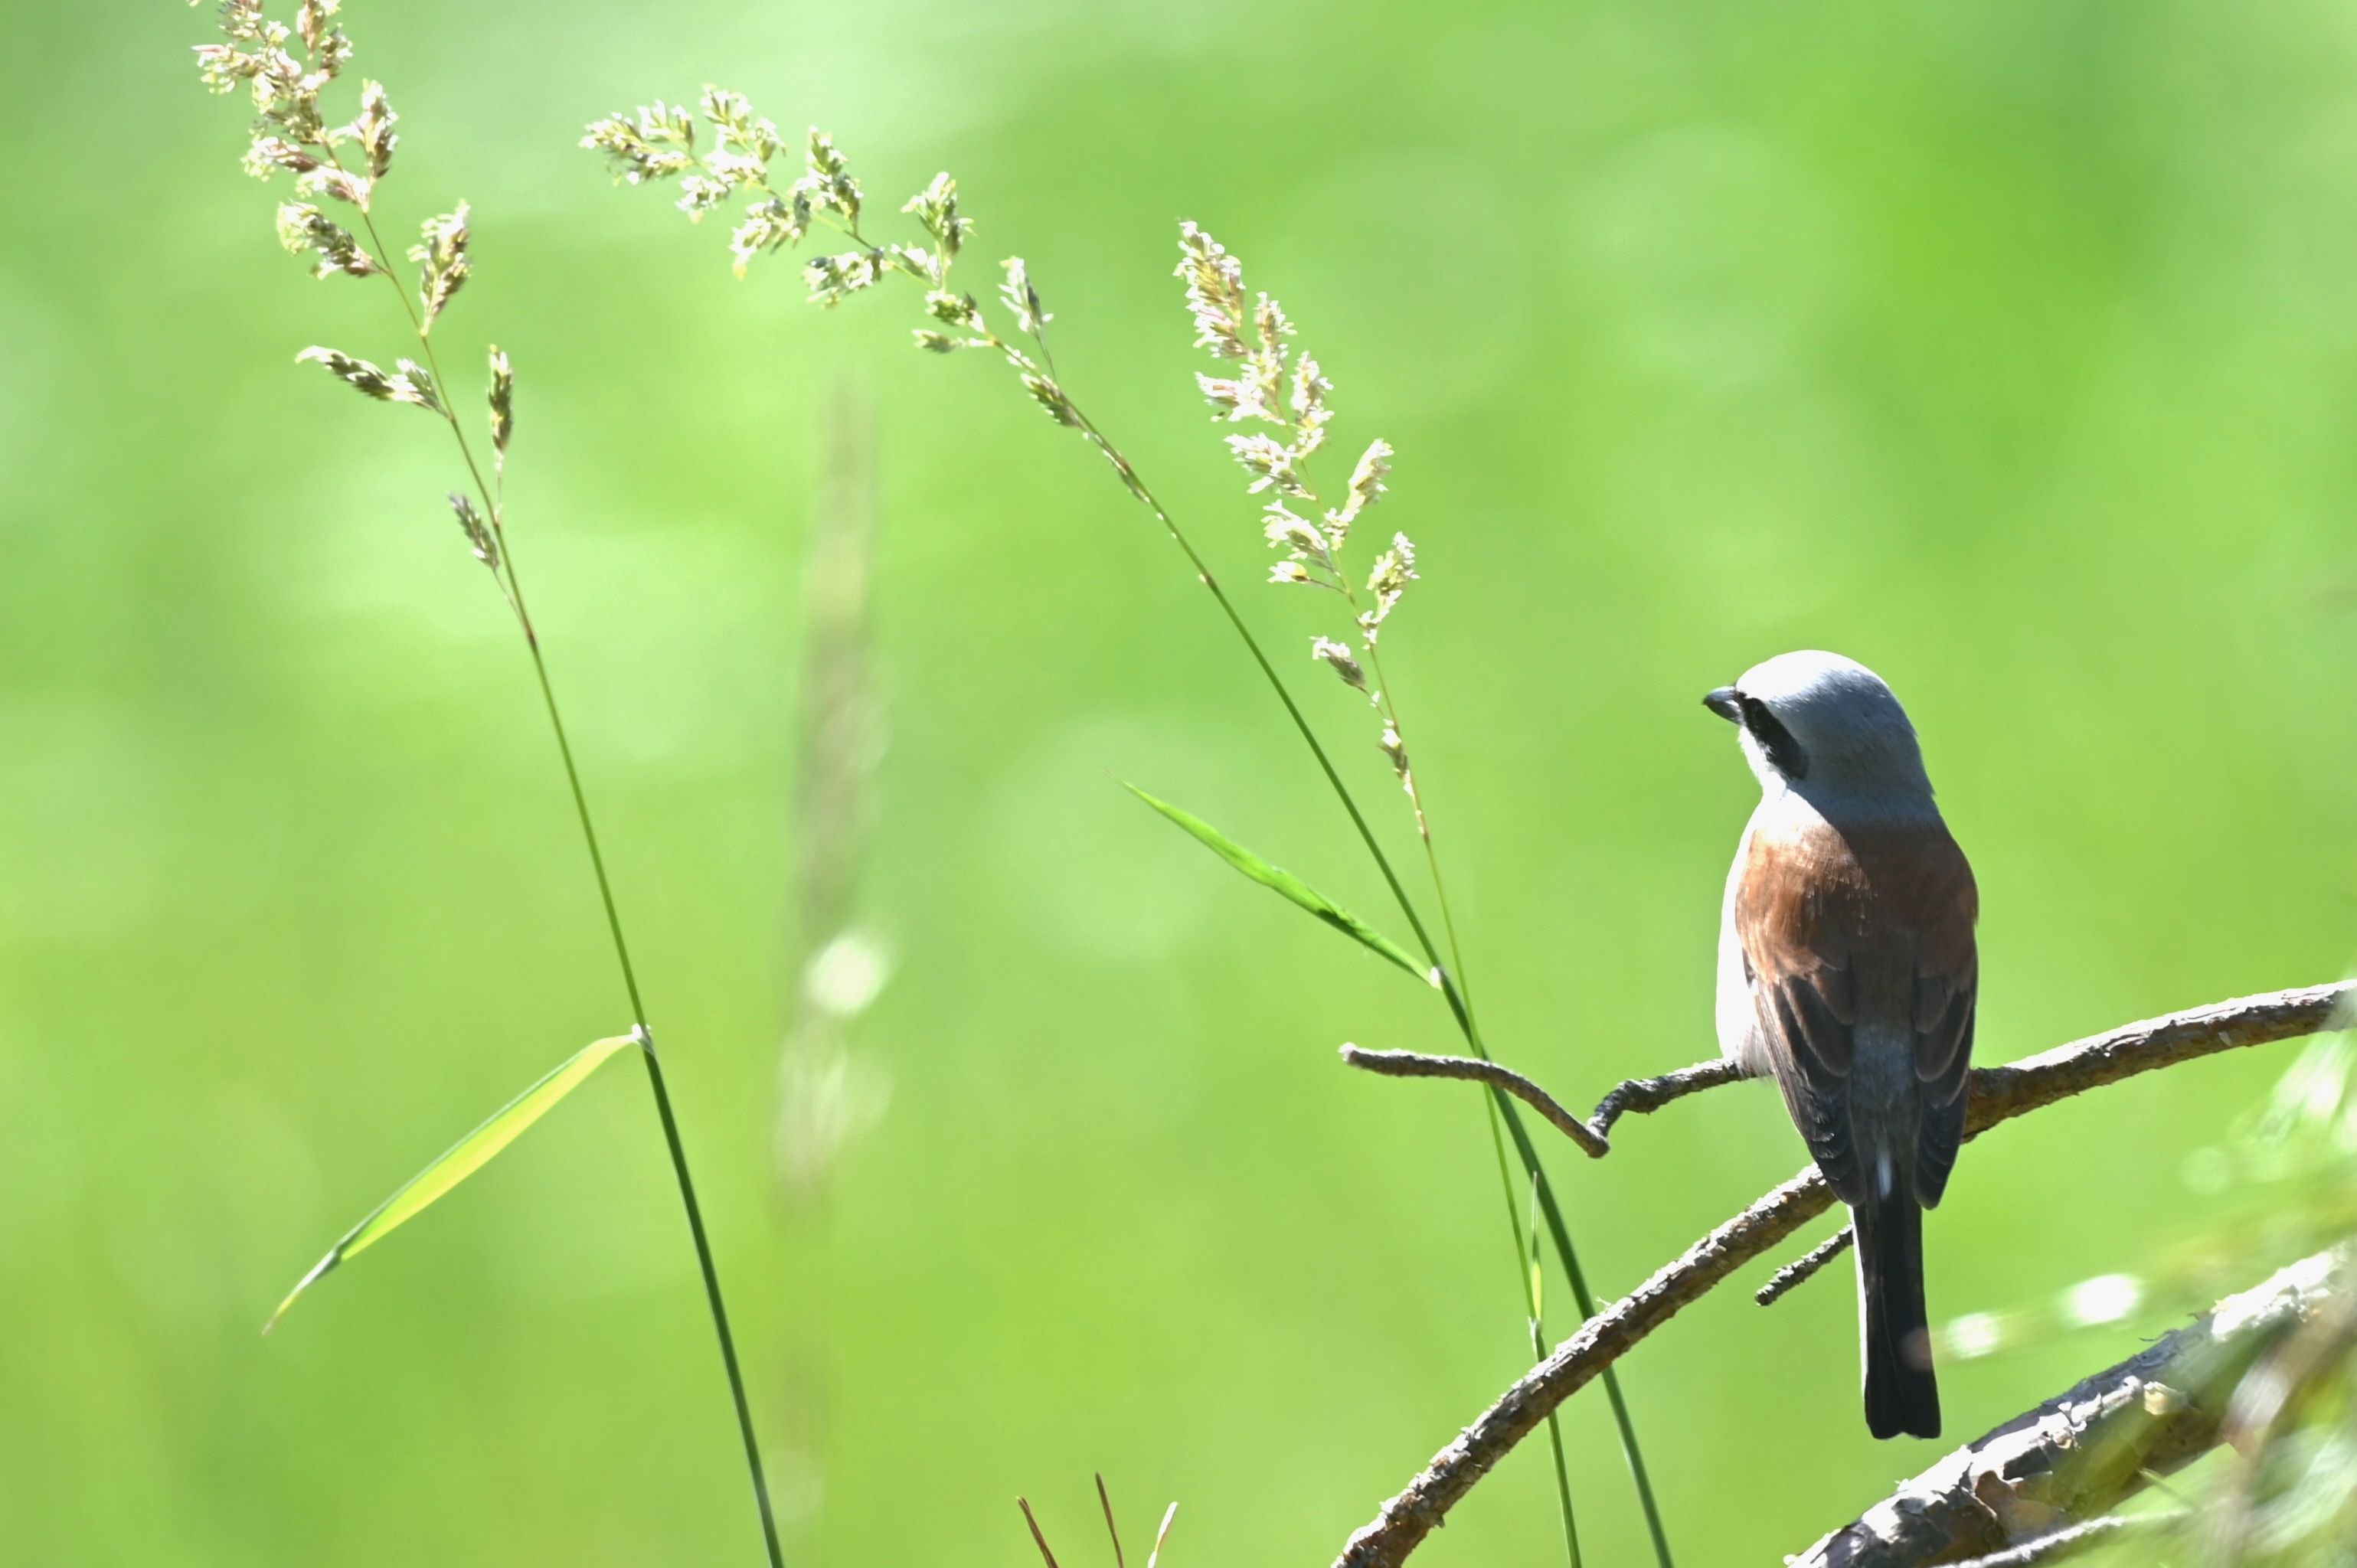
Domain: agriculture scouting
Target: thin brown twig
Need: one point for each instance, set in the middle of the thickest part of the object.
(1644, 1095)
(1479, 1069)
(1804, 1267)
(1999, 1094)
(1038, 1538)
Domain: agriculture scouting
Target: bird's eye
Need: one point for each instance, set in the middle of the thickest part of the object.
(1784, 753)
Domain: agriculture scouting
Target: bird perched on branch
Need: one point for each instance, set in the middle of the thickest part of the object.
(1846, 971)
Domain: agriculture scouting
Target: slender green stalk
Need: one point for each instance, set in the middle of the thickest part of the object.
(1532, 1286)
(1389, 707)
(295, 133)
(1529, 1273)
(1460, 1008)
(1510, 1113)
(1503, 1107)
(511, 587)
(712, 1294)
(719, 1308)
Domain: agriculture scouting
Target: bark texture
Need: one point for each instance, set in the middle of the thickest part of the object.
(2080, 1454)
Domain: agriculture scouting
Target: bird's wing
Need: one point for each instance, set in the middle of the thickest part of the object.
(1947, 997)
(1797, 925)
(1873, 923)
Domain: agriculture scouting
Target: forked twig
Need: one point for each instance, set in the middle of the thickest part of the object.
(1593, 1135)
(1478, 1070)
(1641, 1095)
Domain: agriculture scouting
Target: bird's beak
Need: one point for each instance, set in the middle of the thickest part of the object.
(1723, 701)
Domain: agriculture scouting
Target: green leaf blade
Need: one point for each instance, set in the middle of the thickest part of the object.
(461, 1160)
(1292, 888)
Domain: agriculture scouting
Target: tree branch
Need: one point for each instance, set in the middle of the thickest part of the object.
(1999, 1094)
(2018, 1490)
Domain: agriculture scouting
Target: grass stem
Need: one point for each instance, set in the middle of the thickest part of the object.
(512, 588)
(1460, 1008)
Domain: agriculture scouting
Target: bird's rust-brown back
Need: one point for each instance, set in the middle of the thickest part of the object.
(1860, 928)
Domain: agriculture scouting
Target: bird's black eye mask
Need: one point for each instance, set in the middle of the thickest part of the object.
(1784, 753)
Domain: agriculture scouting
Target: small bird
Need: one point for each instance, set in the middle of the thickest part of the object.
(1848, 972)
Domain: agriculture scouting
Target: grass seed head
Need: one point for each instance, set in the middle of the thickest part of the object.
(1338, 658)
(1215, 293)
(503, 401)
(657, 143)
(269, 154)
(1022, 299)
(354, 372)
(479, 537)
(1396, 749)
(441, 256)
(1367, 479)
(936, 207)
(1307, 402)
(1051, 397)
(746, 140)
(829, 179)
(833, 279)
(1297, 535)
(303, 227)
(372, 129)
(1269, 462)
(1394, 569)
(956, 309)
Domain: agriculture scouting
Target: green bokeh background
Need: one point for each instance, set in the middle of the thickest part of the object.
(2011, 348)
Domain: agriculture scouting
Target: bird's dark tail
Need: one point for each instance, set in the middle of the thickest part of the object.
(1902, 1395)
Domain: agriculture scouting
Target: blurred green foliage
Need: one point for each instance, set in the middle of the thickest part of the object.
(2012, 349)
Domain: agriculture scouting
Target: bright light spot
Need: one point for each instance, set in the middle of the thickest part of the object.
(1975, 1333)
(2106, 1298)
(846, 973)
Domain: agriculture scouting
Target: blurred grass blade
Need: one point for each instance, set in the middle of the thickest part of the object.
(1105, 1499)
(1538, 1353)
(1037, 1535)
(463, 1159)
(1292, 886)
(1161, 1535)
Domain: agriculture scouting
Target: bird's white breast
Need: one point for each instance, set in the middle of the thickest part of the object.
(1738, 1024)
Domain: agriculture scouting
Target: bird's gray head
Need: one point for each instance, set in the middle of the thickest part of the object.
(1826, 727)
